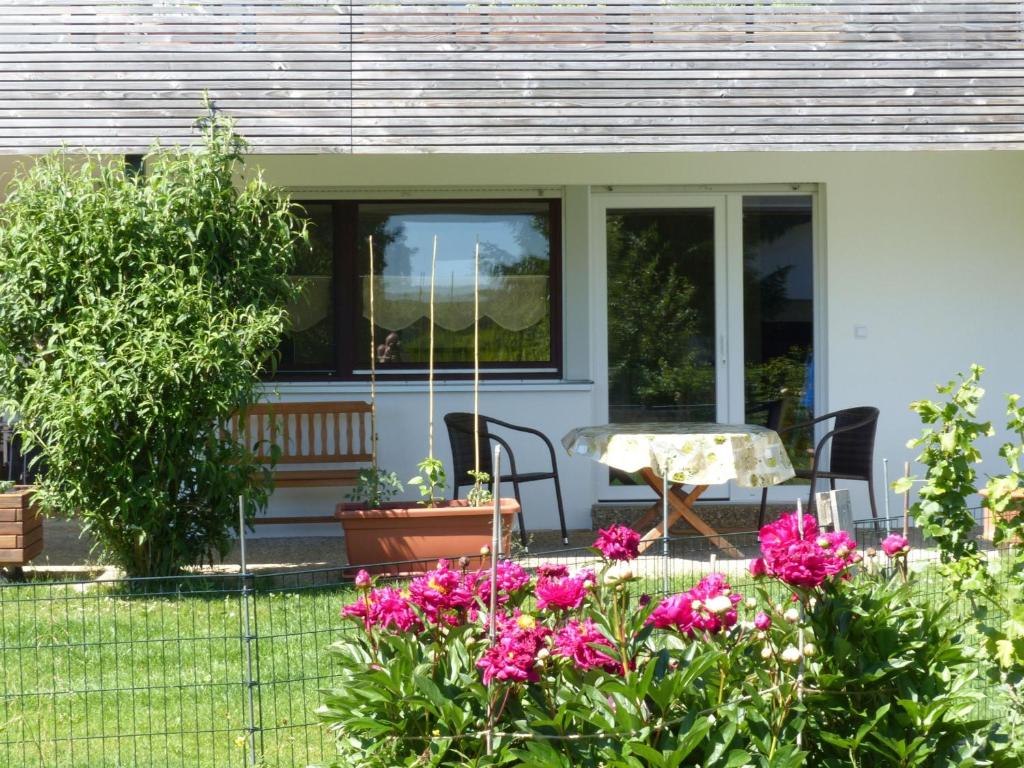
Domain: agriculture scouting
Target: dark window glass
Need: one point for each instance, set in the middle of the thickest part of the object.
(308, 345)
(778, 273)
(519, 321)
(515, 283)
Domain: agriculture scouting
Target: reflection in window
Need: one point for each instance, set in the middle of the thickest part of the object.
(778, 274)
(515, 285)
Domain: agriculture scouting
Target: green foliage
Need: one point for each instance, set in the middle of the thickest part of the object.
(479, 494)
(894, 686)
(374, 487)
(6, 485)
(138, 313)
(949, 453)
(885, 681)
(431, 481)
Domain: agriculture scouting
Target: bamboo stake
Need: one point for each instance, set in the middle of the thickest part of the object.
(476, 361)
(430, 378)
(906, 503)
(800, 632)
(373, 369)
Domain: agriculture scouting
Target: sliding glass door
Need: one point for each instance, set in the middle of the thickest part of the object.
(664, 298)
(707, 305)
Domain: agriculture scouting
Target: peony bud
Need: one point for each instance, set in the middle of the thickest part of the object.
(790, 654)
(792, 615)
(485, 550)
(763, 621)
(810, 650)
(823, 542)
(766, 652)
(751, 603)
(718, 604)
(696, 605)
(363, 580)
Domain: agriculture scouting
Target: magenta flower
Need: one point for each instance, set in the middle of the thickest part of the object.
(709, 608)
(561, 593)
(803, 561)
(513, 656)
(762, 621)
(551, 571)
(438, 594)
(362, 579)
(586, 646)
(618, 543)
(511, 577)
(895, 545)
(758, 568)
(386, 608)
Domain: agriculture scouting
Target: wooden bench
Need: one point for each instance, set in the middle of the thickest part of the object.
(335, 435)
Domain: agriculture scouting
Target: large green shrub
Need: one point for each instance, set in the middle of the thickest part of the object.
(138, 310)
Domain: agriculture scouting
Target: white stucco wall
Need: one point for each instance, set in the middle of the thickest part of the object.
(924, 249)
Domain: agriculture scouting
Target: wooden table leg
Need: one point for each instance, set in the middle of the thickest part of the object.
(680, 506)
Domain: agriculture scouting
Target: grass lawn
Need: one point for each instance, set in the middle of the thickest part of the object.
(107, 678)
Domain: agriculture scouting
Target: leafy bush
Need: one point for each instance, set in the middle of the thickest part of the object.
(138, 312)
(583, 671)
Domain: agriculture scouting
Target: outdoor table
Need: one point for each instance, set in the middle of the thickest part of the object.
(699, 454)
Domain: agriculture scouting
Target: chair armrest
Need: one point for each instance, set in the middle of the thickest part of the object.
(529, 431)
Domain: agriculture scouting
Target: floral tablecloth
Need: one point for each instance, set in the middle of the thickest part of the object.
(694, 453)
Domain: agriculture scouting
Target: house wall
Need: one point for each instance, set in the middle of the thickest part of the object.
(923, 249)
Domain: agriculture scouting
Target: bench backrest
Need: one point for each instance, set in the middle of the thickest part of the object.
(307, 433)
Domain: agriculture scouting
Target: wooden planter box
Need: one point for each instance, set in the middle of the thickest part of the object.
(21, 526)
(399, 533)
(988, 523)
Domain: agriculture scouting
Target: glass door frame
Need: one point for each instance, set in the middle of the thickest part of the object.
(601, 203)
(729, 321)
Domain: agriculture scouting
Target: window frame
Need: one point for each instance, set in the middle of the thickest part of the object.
(345, 295)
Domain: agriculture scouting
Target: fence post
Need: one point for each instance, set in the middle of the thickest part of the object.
(250, 679)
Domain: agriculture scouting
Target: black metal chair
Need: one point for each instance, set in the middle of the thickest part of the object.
(460, 434)
(851, 456)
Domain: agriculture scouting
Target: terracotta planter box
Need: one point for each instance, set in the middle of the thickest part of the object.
(988, 523)
(398, 532)
(21, 526)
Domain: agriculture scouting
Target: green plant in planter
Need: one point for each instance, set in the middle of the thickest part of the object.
(6, 485)
(479, 494)
(374, 487)
(431, 481)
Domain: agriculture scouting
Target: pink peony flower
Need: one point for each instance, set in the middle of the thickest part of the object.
(511, 577)
(803, 561)
(757, 568)
(618, 543)
(583, 643)
(762, 621)
(385, 608)
(560, 593)
(709, 607)
(513, 656)
(362, 579)
(440, 594)
(551, 571)
(895, 545)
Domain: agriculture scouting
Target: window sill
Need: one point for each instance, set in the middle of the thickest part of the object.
(362, 388)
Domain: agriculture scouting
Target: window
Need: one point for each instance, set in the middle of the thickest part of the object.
(778, 271)
(520, 257)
